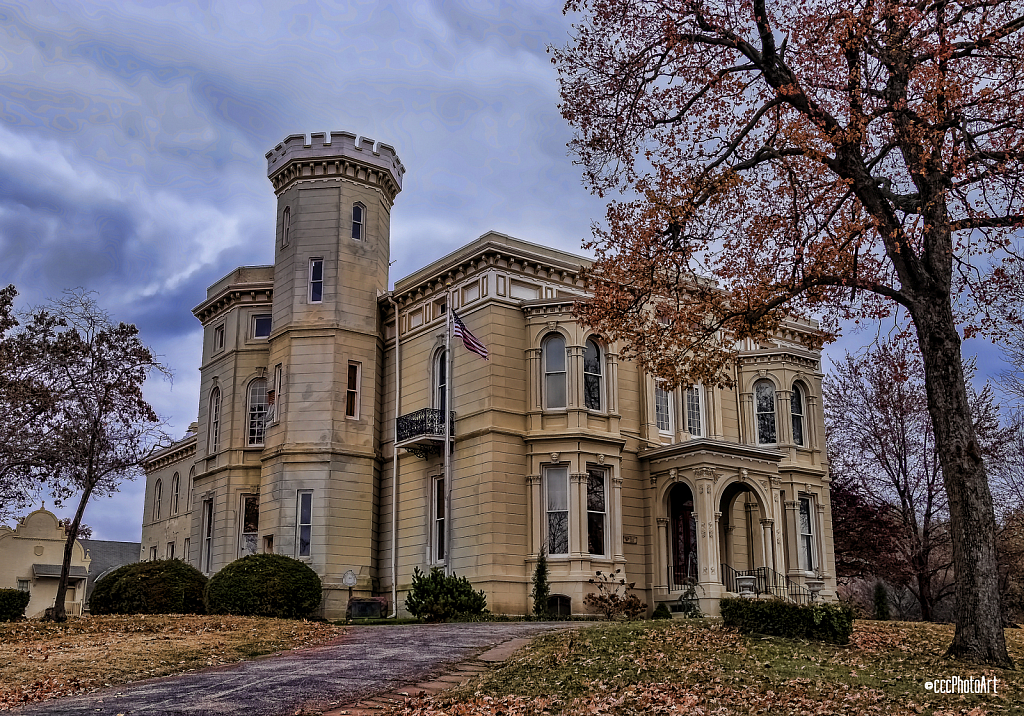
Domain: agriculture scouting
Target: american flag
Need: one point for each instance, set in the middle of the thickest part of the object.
(468, 339)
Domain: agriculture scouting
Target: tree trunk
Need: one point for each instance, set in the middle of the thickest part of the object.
(59, 614)
(979, 632)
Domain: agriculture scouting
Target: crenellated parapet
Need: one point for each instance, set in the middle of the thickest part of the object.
(338, 155)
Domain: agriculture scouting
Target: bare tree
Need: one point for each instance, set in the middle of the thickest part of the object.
(881, 437)
(105, 428)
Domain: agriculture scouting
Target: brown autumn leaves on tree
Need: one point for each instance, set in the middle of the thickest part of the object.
(823, 158)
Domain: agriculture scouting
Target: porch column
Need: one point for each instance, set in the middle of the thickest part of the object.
(612, 382)
(536, 515)
(783, 407)
(536, 377)
(819, 543)
(811, 423)
(767, 548)
(707, 530)
(661, 555)
(616, 536)
(578, 536)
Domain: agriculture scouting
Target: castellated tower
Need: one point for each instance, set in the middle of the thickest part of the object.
(321, 457)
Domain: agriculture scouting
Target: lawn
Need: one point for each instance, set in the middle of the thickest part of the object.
(40, 660)
(700, 667)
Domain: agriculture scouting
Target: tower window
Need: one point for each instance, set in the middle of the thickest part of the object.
(358, 219)
(316, 280)
(213, 436)
(257, 410)
(764, 403)
(304, 525)
(156, 499)
(439, 533)
(218, 338)
(352, 392)
(261, 326)
(286, 226)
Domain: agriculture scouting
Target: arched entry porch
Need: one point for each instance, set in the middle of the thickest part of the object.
(684, 568)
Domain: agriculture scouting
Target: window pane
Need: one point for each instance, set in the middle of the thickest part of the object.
(595, 491)
(661, 409)
(766, 428)
(261, 326)
(764, 396)
(595, 532)
(693, 416)
(305, 508)
(797, 410)
(554, 354)
(554, 390)
(251, 518)
(257, 410)
(317, 270)
(592, 358)
(558, 533)
(316, 293)
(304, 539)
(592, 391)
(439, 499)
(558, 488)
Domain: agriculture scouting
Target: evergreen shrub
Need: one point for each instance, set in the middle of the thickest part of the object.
(541, 592)
(265, 585)
(12, 604)
(828, 622)
(166, 586)
(436, 596)
(881, 600)
(661, 612)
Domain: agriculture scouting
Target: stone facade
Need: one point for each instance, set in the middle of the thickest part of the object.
(556, 444)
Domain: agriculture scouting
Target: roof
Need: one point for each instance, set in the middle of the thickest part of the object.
(53, 570)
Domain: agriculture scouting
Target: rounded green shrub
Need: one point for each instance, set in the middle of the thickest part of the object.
(661, 612)
(265, 585)
(166, 586)
(12, 604)
(437, 597)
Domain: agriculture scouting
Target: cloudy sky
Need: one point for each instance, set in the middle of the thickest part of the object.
(132, 143)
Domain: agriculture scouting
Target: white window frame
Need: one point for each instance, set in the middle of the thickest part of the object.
(175, 492)
(170, 550)
(256, 413)
(664, 410)
(314, 263)
(352, 393)
(601, 473)
(243, 547)
(25, 585)
(438, 500)
(439, 379)
(274, 411)
(300, 496)
(768, 385)
(559, 473)
(255, 319)
(359, 225)
(158, 490)
(152, 553)
(218, 338)
(797, 412)
(589, 376)
(213, 433)
(188, 494)
(695, 394)
(550, 376)
(186, 545)
(206, 558)
(807, 543)
(286, 226)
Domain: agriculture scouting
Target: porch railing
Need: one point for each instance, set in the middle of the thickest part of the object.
(766, 581)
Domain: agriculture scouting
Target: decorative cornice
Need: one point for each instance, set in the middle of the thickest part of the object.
(175, 452)
(255, 294)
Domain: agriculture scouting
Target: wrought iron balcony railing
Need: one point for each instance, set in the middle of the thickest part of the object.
(422, 431)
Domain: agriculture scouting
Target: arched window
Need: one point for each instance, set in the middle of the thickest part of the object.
(441, 379)
(592, 375)
(764, 405)
(553, 349)
(213, 435)
(695, 411)
(158, 490)
(257, 410)
(286, 226)
(358, 219)
(188, 493)
(175, 489)
(796, 408)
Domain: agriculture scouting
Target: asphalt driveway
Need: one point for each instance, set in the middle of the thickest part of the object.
(365, 661)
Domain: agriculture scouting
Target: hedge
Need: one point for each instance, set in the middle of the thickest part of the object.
(12, 604)
(828, 622)
(165, 586)
(266, 585)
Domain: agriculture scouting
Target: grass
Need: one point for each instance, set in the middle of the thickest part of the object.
(701, 667)
(39, 661)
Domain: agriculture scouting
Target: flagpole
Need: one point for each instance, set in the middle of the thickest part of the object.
(447, 431)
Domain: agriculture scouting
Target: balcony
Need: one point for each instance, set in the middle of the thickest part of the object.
(422, 432)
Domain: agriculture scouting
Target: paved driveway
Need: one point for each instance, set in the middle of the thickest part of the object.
(364, 661)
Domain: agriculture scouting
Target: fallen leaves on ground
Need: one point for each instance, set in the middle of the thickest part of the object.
(40, 661)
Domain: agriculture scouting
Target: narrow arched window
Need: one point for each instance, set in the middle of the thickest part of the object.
(257, 410)
(764, 405)
(175, 490)
(286, 226)
(441, 380)
(188, 494)
(213, 435)
(358, 219)
(796, 408)
(553, 349)
(157, 496)
(592, 375)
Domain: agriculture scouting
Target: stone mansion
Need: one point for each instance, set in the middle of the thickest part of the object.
(321, 427)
